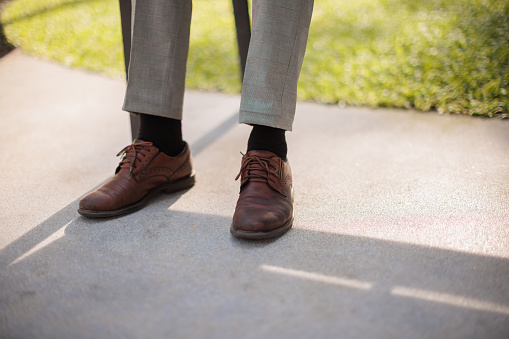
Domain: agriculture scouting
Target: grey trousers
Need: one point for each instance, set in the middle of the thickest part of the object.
(160, 45)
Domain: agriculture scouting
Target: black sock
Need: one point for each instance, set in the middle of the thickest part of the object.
(268, 139)
(164, 133)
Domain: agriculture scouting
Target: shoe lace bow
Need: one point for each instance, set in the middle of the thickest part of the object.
(130, 154)
(260, 169)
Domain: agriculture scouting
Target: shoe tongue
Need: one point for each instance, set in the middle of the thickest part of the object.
(129, 154)
(141, 141)
(261, 154)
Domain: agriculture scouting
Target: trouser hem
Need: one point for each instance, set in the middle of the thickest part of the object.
(173, 113)
(264, 119)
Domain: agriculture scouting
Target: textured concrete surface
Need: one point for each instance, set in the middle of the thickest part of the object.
(401, 231)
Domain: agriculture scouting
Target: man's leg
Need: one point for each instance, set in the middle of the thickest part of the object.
(158, 69)
(159, 52)
(269, 94)
(159, 160)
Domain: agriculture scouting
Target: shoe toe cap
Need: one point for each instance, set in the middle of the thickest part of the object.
(257, 221)
(96, 201)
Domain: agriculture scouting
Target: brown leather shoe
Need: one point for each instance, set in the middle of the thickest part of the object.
(143, 172)
(265, 205)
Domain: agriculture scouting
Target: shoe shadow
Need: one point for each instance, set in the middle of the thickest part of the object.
(58, 222)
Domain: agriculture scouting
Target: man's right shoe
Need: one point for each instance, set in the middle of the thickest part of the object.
(265, 205)
(143, 172)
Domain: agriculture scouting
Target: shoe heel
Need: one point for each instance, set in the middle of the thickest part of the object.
(180, 185)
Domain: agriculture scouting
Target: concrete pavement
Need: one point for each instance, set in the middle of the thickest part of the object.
(401, 224)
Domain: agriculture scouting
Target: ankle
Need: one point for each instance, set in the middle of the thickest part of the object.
(164, 133)
(265, 138)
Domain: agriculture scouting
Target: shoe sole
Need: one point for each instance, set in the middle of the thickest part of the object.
(247, 235)
(172, 187)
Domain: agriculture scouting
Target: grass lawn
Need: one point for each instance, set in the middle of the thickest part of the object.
(444, 55)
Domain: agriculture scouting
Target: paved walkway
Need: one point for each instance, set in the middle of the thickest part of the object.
(401, 231)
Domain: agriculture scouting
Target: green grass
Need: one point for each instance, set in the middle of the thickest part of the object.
(449, 56)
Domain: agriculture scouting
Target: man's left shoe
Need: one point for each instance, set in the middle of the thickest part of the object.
(265, 206)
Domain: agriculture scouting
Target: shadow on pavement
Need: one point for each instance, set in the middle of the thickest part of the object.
(57, 223)
(210, 137)
(163, 271)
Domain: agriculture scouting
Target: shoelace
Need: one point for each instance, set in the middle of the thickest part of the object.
(251, 166)
(135, 150)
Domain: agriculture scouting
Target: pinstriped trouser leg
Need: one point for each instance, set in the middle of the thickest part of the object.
(276, 52)
(160, 46)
